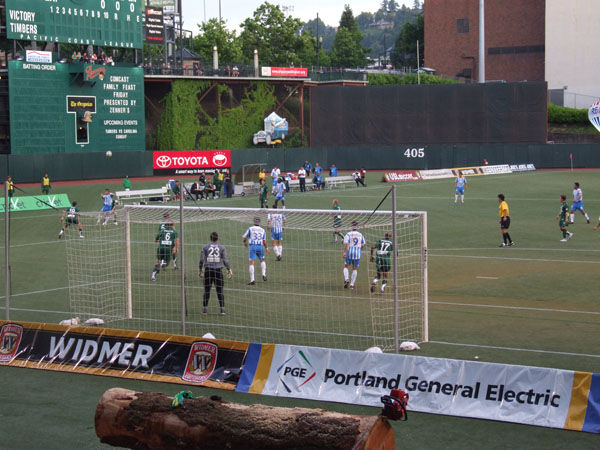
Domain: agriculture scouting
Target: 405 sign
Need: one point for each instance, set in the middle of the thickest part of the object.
(107, 23)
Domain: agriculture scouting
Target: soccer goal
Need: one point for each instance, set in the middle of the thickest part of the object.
(303, 301)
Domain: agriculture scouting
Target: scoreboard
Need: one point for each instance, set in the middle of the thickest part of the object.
(106, 23)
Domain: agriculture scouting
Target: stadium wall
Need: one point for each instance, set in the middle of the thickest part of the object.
(95, 165)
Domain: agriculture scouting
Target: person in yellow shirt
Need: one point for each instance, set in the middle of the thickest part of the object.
(45, 184)
(11, 186)
(504, 222)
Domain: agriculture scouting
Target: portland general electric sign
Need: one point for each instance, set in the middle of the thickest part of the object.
(189, 162)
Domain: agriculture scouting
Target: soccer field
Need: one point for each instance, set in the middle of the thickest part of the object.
(531, 304)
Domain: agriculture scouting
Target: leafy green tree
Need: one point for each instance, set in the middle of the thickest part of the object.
(404, 52)
(274, 35)
(214, 33)
(347, 48)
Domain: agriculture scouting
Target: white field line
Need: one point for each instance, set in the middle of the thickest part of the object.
(513, 349)
(487, 278)
(569, 261)
(516, 308)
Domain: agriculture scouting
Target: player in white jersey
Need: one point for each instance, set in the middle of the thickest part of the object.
(460, 184)
(280, 193)
(108, 205)
(354, 241)
(578, 203)
(276, 222)
(255, 239)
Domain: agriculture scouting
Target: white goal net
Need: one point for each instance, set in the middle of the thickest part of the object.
(303, 300)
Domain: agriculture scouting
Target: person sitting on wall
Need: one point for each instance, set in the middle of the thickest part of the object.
(209, 189)
(195, 191)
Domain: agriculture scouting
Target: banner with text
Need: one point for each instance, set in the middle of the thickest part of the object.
(284, 72)
(521, 394)
(401, 175)
(120, 353)
(189, 162)
(36, 202)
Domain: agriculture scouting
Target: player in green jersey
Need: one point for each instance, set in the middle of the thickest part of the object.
(263, 194)
(383, 262)
(337, 222)
(562, 216)
(70, 216)
(168, 245)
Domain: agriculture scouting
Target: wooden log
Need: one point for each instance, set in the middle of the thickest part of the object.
(146, 420)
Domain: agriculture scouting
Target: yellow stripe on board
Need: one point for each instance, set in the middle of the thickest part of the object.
(262, 370)
(579, 400)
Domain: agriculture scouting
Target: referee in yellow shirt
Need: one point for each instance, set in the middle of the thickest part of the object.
(504, 222)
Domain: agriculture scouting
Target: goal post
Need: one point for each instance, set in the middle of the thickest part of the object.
(303, 300)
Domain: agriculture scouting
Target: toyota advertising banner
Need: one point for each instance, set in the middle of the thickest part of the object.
(189, 162)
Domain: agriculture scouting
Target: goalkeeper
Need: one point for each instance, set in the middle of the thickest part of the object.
(213, 258)
(384, 248)
(168, 245)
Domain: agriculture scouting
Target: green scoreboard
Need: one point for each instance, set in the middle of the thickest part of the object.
(56, 108)
(106, 23)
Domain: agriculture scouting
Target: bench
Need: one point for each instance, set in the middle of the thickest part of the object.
(334, 182)
(142, 194)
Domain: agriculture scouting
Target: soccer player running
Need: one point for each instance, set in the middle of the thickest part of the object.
(168, 246)
(255, 239)
(263, 194)
(280, 193)
(562, 218)
(213, 258)
(70, 216)
(460, 184)
(354, 241)
(384, 248)
(578, 203)
(504, 222)
(337, 221)
(276, 222)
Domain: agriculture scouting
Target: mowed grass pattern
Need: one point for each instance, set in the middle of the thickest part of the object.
(532, 304)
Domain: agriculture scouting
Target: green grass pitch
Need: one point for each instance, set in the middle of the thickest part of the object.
(531, 304)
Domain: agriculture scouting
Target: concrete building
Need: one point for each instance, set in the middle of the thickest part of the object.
(535, 40)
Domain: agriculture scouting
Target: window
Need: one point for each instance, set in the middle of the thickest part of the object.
(462, 25)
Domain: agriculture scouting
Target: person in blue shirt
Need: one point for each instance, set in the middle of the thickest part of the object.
(318, 169)
(255, 239)
(460, 184)
(108, 205)
(333, 172)
(307, 167)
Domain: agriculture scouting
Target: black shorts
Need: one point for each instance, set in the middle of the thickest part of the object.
(504, 224)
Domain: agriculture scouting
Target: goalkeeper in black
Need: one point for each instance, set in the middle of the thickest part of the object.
(213, 258)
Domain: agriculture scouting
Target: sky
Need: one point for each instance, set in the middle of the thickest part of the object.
(236, 11)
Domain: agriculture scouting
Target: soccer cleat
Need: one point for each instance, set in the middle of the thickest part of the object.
(564, 240)
(264, 278)
(511, 243)
(352, 286)
(588, 220)
(569, 235)
(116, 223)
(278, 258)
(81, 236)
(175, 266)
(502, 245)
(252, 283)
(60, 235)
(372, 288)
(204, 311)
(153, 278)
(222, 313)
(346, 284)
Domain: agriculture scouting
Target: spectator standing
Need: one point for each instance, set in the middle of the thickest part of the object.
(308, 168)
(318, 169)
(11, 186)
(228, 184)
(45, 184)
(126, 183)
(302, 178)
(363, 176)
(333, 172)
(217, 183)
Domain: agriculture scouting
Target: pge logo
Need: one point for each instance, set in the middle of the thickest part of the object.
(219, 159)
(10, 338)
(296, 372)
(163, 161)
(201, 362)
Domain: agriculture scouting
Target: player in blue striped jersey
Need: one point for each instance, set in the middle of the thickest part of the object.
(276, 222)
(460, 184)
(108, 205)
(255, 239)
(280, 193)
(354, 241)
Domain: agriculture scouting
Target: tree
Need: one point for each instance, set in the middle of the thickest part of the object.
(214, 33)
(274, 35)
(404, 52)
(347, 48)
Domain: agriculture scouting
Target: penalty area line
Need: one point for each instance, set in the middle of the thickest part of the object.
(513, 349)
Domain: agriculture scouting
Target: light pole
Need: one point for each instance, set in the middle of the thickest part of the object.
(215, 58)
(255, 63)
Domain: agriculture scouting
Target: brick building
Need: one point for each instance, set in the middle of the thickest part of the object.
(514, 39)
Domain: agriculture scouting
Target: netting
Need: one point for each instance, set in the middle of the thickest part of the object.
(303, 301)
